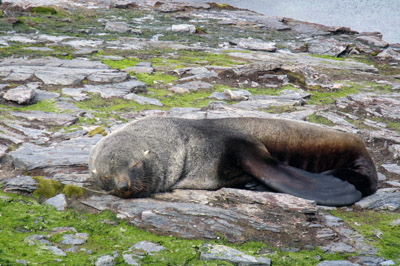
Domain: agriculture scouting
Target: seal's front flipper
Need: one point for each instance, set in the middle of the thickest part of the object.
(324, 189)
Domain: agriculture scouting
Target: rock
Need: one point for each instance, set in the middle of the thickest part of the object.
(255, 45)
(76, 93)
(120, 27)
(10, 135)
(51, 119)
(396, 223)
(75, 239)
(44, 95)
(21, 184)
(147, 247)
(235, 214)
(239, 95)
(339, 247)
(391, 168)
(106, 260)
(129, 260)
(373, 41)
(220, 252)
(191, 86)
(389, 53)
(142, 100)
(141, 67)
(69, 153)
(59, 202)
(382, 199)
(108, 77)
(337, 263)
(35, 239)
(55, 250)
(21, 95)
(330, 47)
(184, 28)
(195, 73)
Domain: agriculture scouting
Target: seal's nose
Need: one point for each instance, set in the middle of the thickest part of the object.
(123, 186)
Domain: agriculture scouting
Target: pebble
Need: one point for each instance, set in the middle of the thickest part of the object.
(211, 252)
(59, 202)
(184, 28)
(21, 95)
(337, 263)
(148, 247)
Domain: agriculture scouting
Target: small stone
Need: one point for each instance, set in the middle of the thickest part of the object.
(59, 202)
(120, 27)
(108, 77)
(373, 40)
(184, 28)
(389, 53)
(142, 100)
(21, 183)
(147, 246)
(387, 262)
(256, 45)
(337, 263)
(396, 223)
(21, 95)
(141, 67)
(33, 239)
(55, 250)
(239, 95)
(220, 252)
(392, 168)
(75, 239)
(106, 260)
(128, 258)
(24, 262)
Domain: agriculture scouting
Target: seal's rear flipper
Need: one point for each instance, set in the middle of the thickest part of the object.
(324, 189)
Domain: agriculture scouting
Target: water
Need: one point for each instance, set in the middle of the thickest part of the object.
(359, 15)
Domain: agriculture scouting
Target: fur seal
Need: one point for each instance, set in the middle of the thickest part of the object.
(159, 154)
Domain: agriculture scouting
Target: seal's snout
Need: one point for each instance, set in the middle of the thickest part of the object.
(123, 186)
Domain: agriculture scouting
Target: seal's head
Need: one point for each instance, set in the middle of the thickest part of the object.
(126, 182)
(120, 170)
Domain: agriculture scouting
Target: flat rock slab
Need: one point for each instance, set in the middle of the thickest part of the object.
(54, 71)
(69, 153)
(51, 119)
(21, 184)
(219, 252)
(237, 215)
(386, 199)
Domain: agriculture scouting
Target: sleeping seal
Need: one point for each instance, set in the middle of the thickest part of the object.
(159, 154)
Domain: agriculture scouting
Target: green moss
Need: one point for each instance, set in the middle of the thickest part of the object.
(324, 56)
(72, 191)
(377, 228)
(280, 109)
(296, 78)
(44, 10)
(121, 64)
(317, 119)
(156, 77)
(97, 130)
(43, 106)
(329, 97)
(47, 187)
